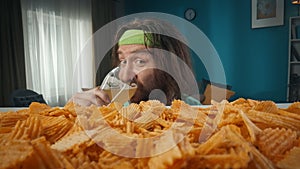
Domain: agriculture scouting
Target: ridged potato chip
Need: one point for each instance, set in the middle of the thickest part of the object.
(247, 134)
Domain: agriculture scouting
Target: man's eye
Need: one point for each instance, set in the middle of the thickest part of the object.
(123, 62)
(140, 62)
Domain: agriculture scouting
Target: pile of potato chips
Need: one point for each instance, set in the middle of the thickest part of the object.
(244, 133)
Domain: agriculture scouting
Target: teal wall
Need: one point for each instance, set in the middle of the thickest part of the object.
(255, 60)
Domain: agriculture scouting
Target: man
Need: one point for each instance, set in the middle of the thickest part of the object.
(151, 54)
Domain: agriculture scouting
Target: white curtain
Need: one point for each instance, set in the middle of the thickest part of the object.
(55, 33)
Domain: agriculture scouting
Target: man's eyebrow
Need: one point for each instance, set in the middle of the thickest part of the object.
(135, 51)
(119, 52)
(140, 51)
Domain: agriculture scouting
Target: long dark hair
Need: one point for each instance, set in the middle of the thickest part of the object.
(166, 38)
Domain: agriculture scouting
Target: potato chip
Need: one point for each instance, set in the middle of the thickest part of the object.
(15, 154)
(130, 112)
(250, 134)
(259, 160)
(55, 127)
(50, 158)
(153, 106)
(36, 107)
(10, 119)
(266, 106)
(274, 143)
(291, 159)
(67, 143)
(294, 108)
(273, 120)
(253, 130)
(235, 152)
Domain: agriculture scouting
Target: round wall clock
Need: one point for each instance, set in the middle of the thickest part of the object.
(190, 14)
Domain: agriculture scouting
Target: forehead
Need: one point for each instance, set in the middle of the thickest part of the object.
(128, 49)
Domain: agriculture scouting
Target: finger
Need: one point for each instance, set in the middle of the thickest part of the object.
(98, 98)
(100, 102)
(102, 95)
(86, 99)
(82, 102)
(93, 96)
(84, 95)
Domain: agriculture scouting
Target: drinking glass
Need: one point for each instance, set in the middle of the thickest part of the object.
(117, 90)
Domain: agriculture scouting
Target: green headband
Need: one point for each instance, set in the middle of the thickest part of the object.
(135, 36)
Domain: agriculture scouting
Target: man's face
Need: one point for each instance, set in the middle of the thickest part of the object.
(136, 66)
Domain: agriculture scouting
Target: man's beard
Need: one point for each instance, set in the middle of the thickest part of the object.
(143, 91)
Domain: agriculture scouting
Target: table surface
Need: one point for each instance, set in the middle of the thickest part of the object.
(7, 109)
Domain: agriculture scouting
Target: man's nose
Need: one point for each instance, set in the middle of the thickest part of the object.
(127, 73)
